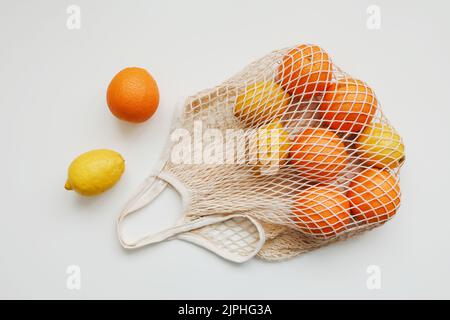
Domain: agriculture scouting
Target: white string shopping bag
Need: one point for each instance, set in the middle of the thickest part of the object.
(288, 155)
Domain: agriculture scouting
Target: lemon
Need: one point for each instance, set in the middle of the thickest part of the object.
(261, 102)
(95, 171)
(381, 146)
(273, 147)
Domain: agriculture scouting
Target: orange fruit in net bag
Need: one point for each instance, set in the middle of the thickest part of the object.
(321, 211)
(133, 95)
(349, 105)
(319, 154)
(374, 196)
(305, 71)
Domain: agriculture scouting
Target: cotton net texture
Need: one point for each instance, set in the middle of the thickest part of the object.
(294, 142)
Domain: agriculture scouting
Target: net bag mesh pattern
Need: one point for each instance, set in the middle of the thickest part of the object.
(293, 142)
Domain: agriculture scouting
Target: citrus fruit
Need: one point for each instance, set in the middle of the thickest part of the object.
(319, 154)
(305, 71)
(261, 102)
(273, 146)
(348, 106)
(95, 171)
(374, 195)
(381, 146)
(322, 211)
(133, 95)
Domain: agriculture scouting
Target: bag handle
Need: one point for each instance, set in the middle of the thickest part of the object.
(150, 189)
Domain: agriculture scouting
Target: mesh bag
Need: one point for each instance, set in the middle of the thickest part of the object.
(289, 155)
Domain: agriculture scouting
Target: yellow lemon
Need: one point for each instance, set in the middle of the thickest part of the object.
(381, 146)
(273, 147)
(261, 102)
(95, 171)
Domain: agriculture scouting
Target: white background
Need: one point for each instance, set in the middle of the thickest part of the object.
(52, 97)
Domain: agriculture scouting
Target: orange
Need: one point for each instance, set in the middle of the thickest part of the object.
(133, 95)
(322, 211)
(319, 154)
(374, 195)
(305, 71)
(348, 105)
